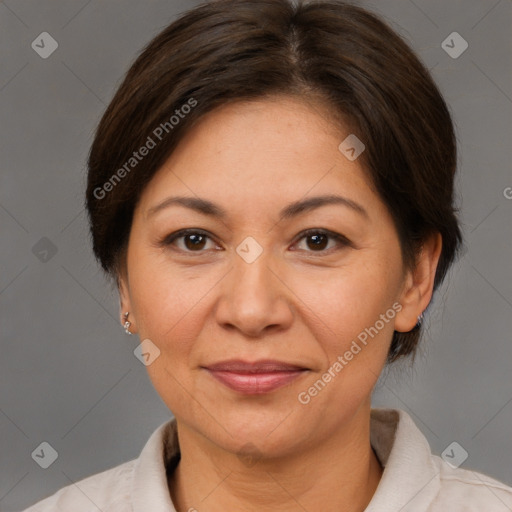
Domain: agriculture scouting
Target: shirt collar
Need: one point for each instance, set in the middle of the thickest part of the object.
(150, 490)
(409, 482)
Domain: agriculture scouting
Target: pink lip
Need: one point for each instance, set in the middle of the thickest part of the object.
(254, 378)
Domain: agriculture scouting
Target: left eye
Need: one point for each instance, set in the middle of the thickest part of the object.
(319, 239)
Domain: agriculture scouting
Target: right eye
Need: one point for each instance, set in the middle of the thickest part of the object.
(193, 240)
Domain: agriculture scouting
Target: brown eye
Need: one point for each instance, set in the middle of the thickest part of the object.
(194, 241)
(188, 240)
(317, 240)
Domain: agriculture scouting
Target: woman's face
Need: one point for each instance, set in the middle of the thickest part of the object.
(250, 286)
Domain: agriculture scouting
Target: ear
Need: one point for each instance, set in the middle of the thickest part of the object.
(419, 284)
(125, 303)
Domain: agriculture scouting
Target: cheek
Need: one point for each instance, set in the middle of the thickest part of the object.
(166, 303)
(351, 317)
(170, 309)
(349, 300)
(171, 304)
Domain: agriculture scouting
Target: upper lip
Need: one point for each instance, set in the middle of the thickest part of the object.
(262, 366)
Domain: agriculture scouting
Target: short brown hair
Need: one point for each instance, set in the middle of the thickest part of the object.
(233, 50)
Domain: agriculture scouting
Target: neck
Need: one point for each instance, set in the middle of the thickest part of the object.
(340, 473)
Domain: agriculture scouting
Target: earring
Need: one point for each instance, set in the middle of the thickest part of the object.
(420, 321)
(127, 323)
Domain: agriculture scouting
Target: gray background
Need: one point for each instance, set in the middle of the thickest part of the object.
(68, 375)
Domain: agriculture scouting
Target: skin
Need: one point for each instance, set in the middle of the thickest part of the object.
(296, 303)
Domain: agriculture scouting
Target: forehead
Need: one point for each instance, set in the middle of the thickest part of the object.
(260, 154)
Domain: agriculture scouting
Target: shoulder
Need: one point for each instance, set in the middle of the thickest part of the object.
(134, 485)
(416, 480)
(469, 491)
(109, 490)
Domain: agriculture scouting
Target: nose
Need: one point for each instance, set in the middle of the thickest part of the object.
(254, 298)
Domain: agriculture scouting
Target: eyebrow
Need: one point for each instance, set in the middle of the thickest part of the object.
(209, 208)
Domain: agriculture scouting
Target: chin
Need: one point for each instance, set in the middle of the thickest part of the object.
(270, 432)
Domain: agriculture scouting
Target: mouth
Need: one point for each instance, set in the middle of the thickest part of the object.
(254, 378)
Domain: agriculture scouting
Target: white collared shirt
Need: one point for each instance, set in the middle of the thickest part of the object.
(413, 480)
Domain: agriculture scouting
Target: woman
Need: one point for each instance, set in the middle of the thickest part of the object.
(271, 189)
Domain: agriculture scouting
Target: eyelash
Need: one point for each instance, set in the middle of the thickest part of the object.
(340, 239)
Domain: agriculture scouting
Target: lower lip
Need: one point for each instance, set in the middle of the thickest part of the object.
(255, 383)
